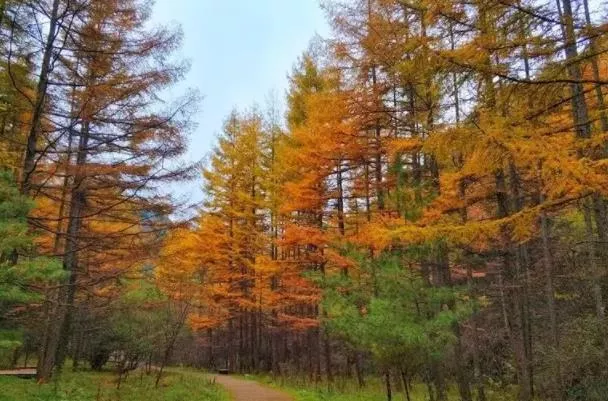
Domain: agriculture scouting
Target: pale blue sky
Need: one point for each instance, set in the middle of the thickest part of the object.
(240, 50)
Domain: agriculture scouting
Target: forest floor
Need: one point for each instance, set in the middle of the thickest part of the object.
(176, 385)
(348, 390)
(304, 390)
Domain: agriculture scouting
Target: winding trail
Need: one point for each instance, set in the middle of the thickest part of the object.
(247, 390)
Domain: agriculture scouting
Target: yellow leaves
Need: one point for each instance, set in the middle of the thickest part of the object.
(571, 177)
(403, 145)
(480, 235)
(303, 235)
(540, 153)
(375, 235)
(265, 266)
(305, 194)
(328, 111)
(297, 322)
(451, 143)
(524, 225)
(472, 53)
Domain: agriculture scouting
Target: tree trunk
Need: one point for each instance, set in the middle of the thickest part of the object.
(387, 384)
(596, 71)
(550, 295)
(406, 385)
(171, 337)
(597, 275)
(359, 370)
(513, 312)
(70, 260)
(580, 115)
(328, 362)
(462, 374)
(41, 90)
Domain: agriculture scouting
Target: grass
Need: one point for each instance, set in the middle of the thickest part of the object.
(177, 385)
(304, 390)
(340, 391)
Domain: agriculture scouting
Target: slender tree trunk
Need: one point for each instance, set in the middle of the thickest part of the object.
(477, 372)
(601, 224)
(522, 280)
(368, 209)
(406, 385)
(514, 313)
(172, 335)
(317, 349)
(462, 374)
(597, 275)
(377, 131)
(40, 97)
(78, 348)
(340, 199)
(328, 361)
(580, 114)
(439, 380)
(550, 295)
(359, 370)
(70, 261)
(387, 384)
(596, 71)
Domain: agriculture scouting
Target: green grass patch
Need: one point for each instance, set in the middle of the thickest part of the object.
(177, 385)
(304, 390)
(341, 390)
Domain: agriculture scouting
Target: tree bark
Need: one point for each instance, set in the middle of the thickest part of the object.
(41, 91)
(387, 384)
(70, 261)
(580, 114)
(591, 250)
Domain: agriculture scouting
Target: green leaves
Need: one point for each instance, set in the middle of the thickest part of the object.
(14, 208)
(389, 310)
(21, 270)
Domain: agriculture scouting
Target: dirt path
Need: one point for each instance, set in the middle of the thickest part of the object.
(246, 390)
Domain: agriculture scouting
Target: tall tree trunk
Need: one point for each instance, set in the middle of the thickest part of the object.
(550, 296)
(387, 384)
(597, 275)
(478, 380)
(48, 344)
(359, 370)
(328, 359)
(522, 278)
(170, 338)
(596, 71)
(580, 114)
(340, 198)
(406, 385)
(513, 313)
(39, 101)
(72, 245)
(462, 374)
(377, 128)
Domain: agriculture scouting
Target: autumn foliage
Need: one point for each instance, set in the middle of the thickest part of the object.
(453, 149)
(431, 208)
